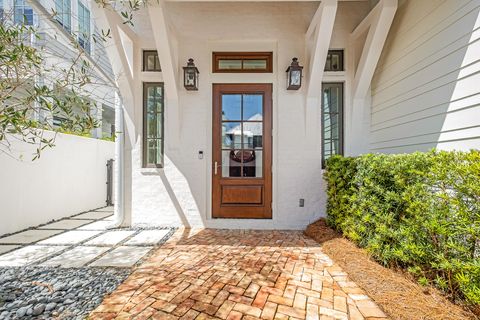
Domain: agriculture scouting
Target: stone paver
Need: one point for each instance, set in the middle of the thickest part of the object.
(106, 209)
(109, 238)
(66, 224)
(231, 274)
(70, 237)
(98, 225)
(7, 247)
(93, 215)
(79, 241)
(29, 236)
(28, 255)
(121, 257)
(76, 257)
(148, 237)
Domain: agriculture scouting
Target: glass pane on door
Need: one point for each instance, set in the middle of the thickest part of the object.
(242, 135)
(252, 107)
(231, 107)
(231, 163)
(252, 135)
(231, 135)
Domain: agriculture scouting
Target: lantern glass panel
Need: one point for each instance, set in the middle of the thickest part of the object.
(190, 78)
(295, 77)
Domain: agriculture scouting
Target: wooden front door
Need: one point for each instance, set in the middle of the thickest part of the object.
(242, 151)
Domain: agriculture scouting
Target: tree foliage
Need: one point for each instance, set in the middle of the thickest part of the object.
(33, 92)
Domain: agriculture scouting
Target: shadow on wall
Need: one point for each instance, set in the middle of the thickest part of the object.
(173, 198)
(425, 90)
(170, 192)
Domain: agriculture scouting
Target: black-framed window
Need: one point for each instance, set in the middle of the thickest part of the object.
(151, 62)
(334, 60)
(153, 118)
(332, 120)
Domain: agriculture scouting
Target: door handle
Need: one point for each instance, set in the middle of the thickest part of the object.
(216, 165)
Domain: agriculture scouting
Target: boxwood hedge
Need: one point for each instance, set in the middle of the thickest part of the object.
(418, 211)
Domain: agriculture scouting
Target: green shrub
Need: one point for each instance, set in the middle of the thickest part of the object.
(419, 211)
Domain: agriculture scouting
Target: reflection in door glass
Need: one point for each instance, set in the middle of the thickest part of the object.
(231, 166)
(242, 135)
(252, 107)
(231, 107)
(252, 135)
(252, 163)
(241, 163)
(231, 135)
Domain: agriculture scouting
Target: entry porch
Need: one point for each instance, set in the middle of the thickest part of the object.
(211, 157)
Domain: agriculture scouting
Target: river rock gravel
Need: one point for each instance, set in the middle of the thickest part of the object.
(61, 293)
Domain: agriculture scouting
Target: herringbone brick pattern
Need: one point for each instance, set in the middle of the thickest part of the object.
(232, 274)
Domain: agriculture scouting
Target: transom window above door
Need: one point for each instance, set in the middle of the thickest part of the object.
(242, 62)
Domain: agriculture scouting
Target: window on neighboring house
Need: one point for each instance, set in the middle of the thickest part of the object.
(334, 60)
(153, 118)
(108, 121)
(332, 120)
(84, 27)
(23, 14)
(59, 121)
(64, 13)
(238, 62)
(151, 61)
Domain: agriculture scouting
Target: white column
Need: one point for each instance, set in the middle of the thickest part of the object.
(108, 19)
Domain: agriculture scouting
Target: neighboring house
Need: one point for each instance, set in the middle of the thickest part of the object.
(58, 22)
(242, 151)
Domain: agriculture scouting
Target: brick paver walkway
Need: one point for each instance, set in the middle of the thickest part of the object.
(232, 274)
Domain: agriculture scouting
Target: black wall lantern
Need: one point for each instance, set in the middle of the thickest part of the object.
(190, 76)
(294, 75)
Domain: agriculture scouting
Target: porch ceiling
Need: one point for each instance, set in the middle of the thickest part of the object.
(219, 20)
(265, 0)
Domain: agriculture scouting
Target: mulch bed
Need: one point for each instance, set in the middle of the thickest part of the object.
(397, 294)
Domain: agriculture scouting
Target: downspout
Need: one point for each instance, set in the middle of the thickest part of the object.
(119, 209)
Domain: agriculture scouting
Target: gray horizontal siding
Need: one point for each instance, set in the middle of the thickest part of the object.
(99, 90)
(425, 92)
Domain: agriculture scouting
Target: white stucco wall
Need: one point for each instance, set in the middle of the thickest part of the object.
(425, 92)
(180, 194)
(67, 179)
